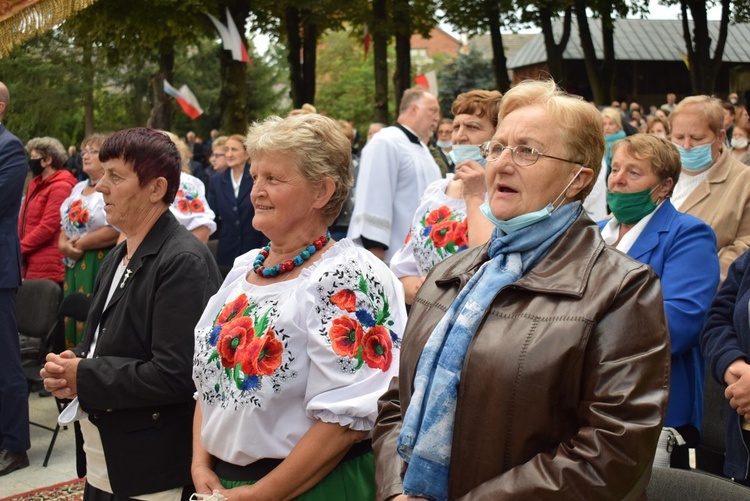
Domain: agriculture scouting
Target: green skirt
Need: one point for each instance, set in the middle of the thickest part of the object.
(352, 480)
(81, 278)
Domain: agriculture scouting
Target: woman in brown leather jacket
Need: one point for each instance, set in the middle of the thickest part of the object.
(535, 366)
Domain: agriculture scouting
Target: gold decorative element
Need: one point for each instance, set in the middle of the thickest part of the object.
(21, 20)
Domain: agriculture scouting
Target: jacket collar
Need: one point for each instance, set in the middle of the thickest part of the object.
(412, 137)
(246, 182)
(155, 238)
(564, 270)
(660, 222)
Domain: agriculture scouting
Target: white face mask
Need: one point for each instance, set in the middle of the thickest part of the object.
(443, 144)
(739, 143)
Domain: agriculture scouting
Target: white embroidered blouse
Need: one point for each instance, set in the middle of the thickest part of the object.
(190, 207)
(271, 360)
(82, 214)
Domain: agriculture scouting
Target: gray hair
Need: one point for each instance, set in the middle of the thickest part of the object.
(49, 147)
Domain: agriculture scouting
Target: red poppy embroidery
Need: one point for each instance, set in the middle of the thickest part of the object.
(262, 355)
(233, 309)
(74, 213)
(377, 352)
(438, 215)
(233, 340)
(183, 206)
(439, 233)
(196, 205)
(459, 234)
(345, 299)
(83, 218)
(346, 336)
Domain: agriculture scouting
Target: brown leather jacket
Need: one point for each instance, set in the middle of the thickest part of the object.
(565, 383)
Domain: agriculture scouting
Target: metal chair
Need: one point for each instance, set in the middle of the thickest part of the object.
(670, 484)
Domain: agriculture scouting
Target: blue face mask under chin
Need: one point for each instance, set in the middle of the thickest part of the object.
(697, 158)
(524, 220)
(464, 152)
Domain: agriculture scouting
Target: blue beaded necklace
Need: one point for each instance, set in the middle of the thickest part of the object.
(289, 265)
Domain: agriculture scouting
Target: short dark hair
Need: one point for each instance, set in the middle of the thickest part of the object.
(149, 153)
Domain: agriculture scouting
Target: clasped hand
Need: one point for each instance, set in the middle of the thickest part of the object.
(59, 373)
(737, 378)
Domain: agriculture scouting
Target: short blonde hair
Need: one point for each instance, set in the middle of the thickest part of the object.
(578, 123)
(663, 155)
(182, 149)
(653, 120)
(709, 107)
(317, 146)
(219, 142)
(95, 139)
(613, 114)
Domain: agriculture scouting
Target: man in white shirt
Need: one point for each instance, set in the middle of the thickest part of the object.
(394, 171)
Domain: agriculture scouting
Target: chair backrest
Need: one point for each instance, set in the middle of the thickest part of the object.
(76, 306)
(671, 484)
(37, 304)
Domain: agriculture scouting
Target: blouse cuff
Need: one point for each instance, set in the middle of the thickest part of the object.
(354, 423)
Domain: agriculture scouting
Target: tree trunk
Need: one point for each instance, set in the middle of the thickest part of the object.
(589, 54)
(293, 56)
(380, 59)
(555, 50)
(161, 111)
(309, 59)
(499, 62)
(87, 73)
(703, 68)
(608, 64)
(402, 76)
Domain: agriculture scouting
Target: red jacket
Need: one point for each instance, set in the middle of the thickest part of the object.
(39, 226)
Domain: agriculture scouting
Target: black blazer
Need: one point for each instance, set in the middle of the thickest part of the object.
(234, 215)
(138, 387)
(12, 176)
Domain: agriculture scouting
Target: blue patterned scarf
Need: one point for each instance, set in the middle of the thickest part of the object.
(427, 431)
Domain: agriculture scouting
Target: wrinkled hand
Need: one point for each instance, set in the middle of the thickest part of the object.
(244, 493)
(205, 480)
(59, 373)
(471, 173)
(411, 287)
(738, 391)
(74, 252)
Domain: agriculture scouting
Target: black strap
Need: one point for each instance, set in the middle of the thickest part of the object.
(262, 467)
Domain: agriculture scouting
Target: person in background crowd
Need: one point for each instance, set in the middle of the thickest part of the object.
(86, 238)
(523, 374)
(14, 391)
(681, 249)
(374, 128)
(740, 116)
(728, 121)
(437, 154)
(218, 151)
(229, 197)
(713, 186)
(39, 221)
(449, 218)
(658, 127)
(732, 98)
(671, 103)
(130, 377)
(190, 207)
(394, 171)
(740, 139)
(341, 224)
(612, 123)
(444, 133)
(725, 341)
(74, 162)
(294, 350)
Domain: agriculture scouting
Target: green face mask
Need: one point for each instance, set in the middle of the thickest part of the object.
(629, 208)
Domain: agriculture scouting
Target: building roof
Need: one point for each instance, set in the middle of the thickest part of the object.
(637, 40)
(512, 43)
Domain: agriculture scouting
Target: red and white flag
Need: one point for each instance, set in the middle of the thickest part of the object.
(185, 99)
(428, 81)
(366, 40)
(231, 38)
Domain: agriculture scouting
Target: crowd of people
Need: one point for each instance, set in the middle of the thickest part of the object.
(520, 301)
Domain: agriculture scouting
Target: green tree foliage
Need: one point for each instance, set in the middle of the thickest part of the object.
(465, 73)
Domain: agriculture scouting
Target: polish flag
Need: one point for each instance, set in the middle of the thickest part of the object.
(231, 38)
(428, 81)
(185, 99)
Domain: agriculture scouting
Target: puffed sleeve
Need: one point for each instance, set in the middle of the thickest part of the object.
(355, 319)
(190, 206)
(403, 262)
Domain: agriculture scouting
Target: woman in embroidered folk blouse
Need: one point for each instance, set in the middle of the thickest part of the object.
(294, 350)
(448, 218)
(86, 238)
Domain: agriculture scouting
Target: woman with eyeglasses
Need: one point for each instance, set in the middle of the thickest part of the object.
(681, 249)
(535, 366)
(448, 219)
(86, 237)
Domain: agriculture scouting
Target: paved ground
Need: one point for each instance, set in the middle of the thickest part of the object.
(62, 465)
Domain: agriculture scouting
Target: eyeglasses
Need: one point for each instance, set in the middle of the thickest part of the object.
(522, 155)
(89, 151)
(217, 155)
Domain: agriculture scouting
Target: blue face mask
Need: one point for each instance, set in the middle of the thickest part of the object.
(463, 152)
(696, 158)
(524, 220)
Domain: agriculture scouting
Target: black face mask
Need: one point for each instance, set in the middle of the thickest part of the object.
(35, 166)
